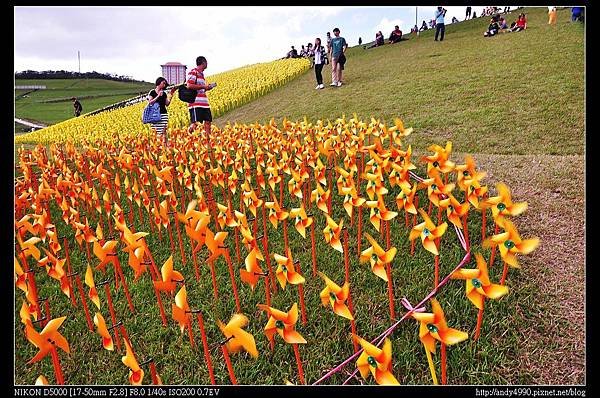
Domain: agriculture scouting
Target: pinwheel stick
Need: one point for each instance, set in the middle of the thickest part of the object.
(266, 248)
(229, 365)
(466, 229)
(285, 235)
(443, 359)
(232, 276)
(504, 273)
(237, 244)
(301, 294)
(313, 249)
(479, 321)
(119, 273)
(299, 363)
(153, 373)
(196, 270)
(209, 365)
(171, 236)
(161, 308)
(493, 255)
(111, 308)
(359, 232)
(179, 237)
(347, 279)
(431, 366)
(388, 271)
(436, 271)
(213, 275)
(85, 307)
(483, 221)
(57, 369)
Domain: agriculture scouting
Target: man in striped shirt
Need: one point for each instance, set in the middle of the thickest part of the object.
(200, 108)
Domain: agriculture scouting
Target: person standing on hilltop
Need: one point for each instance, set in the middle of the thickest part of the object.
(163, 99)
(77, 106)
(439, 23)
(337, 51)
(200, 108)
(468, 13)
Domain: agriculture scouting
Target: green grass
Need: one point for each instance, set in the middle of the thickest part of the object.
(54, 104)
(463, 89)
(506, 94)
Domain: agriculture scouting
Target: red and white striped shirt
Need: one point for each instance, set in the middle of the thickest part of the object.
(197, 77)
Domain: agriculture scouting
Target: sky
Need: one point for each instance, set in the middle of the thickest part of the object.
(135, 41)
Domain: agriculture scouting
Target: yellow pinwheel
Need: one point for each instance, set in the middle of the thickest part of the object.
(282, 323)
(428, 232)
(136, 374)
(478, 285)
(335, 296)
(502, 205)
(332, 234)
(301, 219)
(510, 243)
(237, 338)
(286, 271)
(252, 271)
(376, 361)
(89, 281)
(433, 327)
(107, 341)
(377, 257)
(170, 277)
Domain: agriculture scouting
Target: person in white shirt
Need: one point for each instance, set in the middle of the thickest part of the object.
(439, 23)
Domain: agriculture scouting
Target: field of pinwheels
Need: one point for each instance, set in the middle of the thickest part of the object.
(318, 250)
(284, 249)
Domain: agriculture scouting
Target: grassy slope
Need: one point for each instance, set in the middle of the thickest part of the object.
(93, 94)
(506, 94)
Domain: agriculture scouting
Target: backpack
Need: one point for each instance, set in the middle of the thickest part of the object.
(151, 113)
(186, 94)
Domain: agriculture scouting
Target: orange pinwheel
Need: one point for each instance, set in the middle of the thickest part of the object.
(252, 271)
(478, 283)
(502, 205)
(107, 341)
(428, 232)
(406, 199)
(89, 281)
(215, 244)
(475, 192)
(351, 199)
(225, 217)
(379, 212)
(276, 214)
(282, 323)
(237, 338)
(466, 173)
(321, 197)
(433, 327)
(20, 276)
(376, 361)
(251, 200)
(54, 265)
(375, 184)
(136, 374)
(332, 234)
(436, 189)
(377, 257)
(103, 251)
(301, 220)
(510, 243)
(454, 209)
(41, 381)
(47, 339)
(335, 296)
(295, 184)
(285, 270)
(439, 160)
(170, 277)
(181, 309)
(398, 131)
(28, 247)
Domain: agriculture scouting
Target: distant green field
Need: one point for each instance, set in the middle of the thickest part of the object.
(54, 105)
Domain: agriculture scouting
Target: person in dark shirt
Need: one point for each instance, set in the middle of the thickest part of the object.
(492, 28)
(77, 106)
(163, 99)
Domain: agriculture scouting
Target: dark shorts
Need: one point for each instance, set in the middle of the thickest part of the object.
(200, 115)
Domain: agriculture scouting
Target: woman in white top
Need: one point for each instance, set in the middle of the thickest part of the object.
(320, 61)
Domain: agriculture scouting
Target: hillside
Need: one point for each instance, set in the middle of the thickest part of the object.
(54, 104)
(505, 94)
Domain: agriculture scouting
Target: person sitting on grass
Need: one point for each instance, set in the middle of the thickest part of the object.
(520, 24)
(379, 41)
(492, 29)
(423, 27)
(396, 35)
(502, 24)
